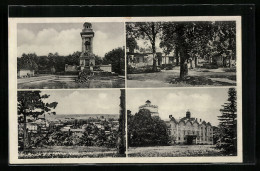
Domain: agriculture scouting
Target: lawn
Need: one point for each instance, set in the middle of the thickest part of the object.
(174, 151)
(106, 82)
(68, 152)
(166, 78)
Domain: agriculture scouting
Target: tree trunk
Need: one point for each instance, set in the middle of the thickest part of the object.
(177, 59)
(183, 66)
(121, 137)
(25, 133)
(191, 67)
(154, 57)
(196, 61)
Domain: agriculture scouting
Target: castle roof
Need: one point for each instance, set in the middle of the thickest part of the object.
(185, 120)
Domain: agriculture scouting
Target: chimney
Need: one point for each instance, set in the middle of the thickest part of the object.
(200, 119)
(188, 114)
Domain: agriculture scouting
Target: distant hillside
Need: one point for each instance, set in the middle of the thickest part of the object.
(82, 116)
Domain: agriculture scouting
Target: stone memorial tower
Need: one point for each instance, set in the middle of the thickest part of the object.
(87, 59)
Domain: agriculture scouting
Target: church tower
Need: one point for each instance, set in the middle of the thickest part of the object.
(87, 58)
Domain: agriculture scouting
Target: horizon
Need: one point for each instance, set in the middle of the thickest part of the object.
(80, 102)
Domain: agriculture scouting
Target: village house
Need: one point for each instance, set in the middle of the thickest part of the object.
(21, 73)
(145, 58)
(188, 130)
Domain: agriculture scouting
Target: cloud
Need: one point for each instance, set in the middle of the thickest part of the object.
(85, 102)
(202, 104)
(103, 44)
(64, 42)
(25, 36)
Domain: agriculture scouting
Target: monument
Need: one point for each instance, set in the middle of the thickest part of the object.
(87, 58)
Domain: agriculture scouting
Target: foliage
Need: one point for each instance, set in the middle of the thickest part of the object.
(30, 103)
(116, 58)
(131, 44)
(140, 70)
(228, 124)
(147, 31)
(28, 61)
(145, 130)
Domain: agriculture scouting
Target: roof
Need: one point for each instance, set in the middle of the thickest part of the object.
(185, 120)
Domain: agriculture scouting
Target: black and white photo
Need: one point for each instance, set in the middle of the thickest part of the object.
(125, 90)
(181, 54)
(70, 124)
(182, 122)
(70, 55)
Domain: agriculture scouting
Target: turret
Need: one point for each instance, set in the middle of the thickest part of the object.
(188, 114)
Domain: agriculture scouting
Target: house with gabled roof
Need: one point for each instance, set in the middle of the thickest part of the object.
(188, 130)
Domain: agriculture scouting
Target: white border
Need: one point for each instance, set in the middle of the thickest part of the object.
(12, 65)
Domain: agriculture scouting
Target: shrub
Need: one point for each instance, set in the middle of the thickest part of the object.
(144, 69)
(167, 66)
(210, 66)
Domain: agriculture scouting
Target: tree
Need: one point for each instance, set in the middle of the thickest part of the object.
(116, 58)
(145, 130)
(28, 61)
(167, 46)
(73, 59)
(228, 124)
(145, 30)
(30, 104)
(190, 40)
(224, 40)
(131, 44)
(121, 130)
(52, 61)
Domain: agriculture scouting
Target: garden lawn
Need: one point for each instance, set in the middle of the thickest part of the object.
(104, 82)
(68, 152)
(174, 151)
(219, 77)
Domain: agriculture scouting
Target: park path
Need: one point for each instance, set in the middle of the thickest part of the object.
(35, 79)
(162, 79)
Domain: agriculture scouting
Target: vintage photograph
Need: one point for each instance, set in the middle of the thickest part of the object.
(70, 55)
(181, 54)
(71, 124)
(125, 90)
(182, 122)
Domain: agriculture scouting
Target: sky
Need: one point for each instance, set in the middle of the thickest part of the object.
(64, 38)
(84, 101)
(203, 103)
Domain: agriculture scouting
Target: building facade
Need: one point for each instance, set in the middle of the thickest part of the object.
(152, 108)
(188, 130)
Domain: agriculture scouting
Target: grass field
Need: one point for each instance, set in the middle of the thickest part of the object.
(106, 82)
(174, 151)
(219, 77)
(68, 152)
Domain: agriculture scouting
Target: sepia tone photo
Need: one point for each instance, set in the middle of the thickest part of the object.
(70, 55)
(181, 54)
(71, 124)
(182, 122)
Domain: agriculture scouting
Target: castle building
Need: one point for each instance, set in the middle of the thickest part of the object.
(152, 108)
(188, 130)
(87, 58)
